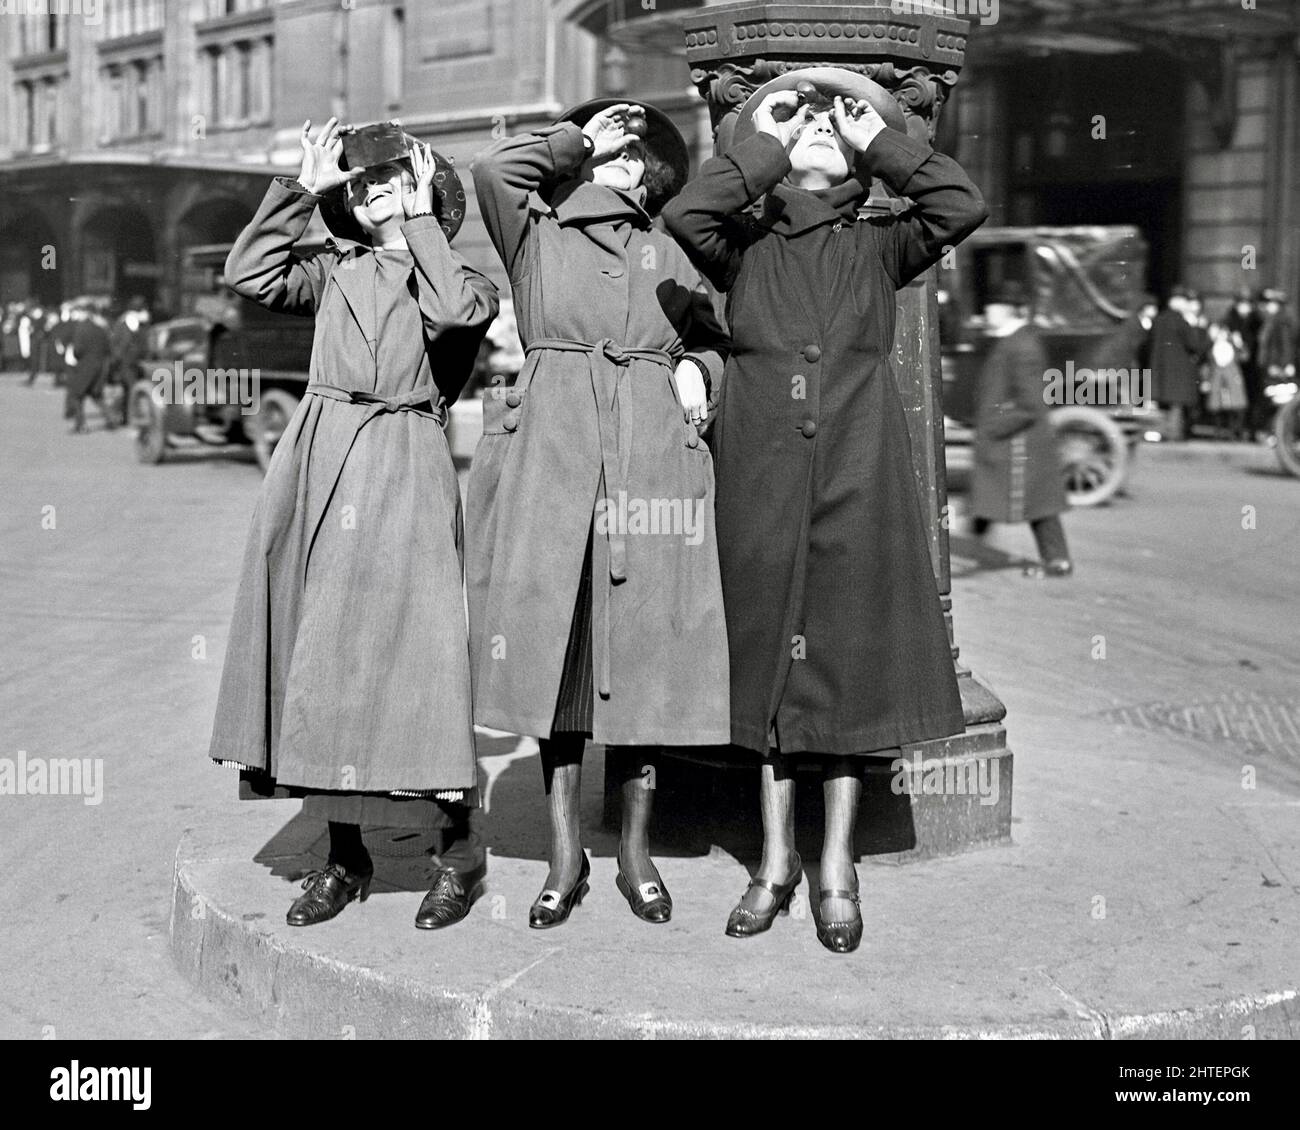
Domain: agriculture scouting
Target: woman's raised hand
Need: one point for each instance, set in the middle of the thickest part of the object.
(780, 114)
(320, 159)
(608, 130)
(857, 122)
(423, 166)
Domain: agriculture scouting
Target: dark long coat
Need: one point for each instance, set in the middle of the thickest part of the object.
(347, 667)
(88, 338)
(1017, 466)
(1177, 348)
(837, 636)
(593, 416)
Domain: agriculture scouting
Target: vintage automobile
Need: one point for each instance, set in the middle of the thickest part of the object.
(1085, 282)
(232, 373)
(229, 372)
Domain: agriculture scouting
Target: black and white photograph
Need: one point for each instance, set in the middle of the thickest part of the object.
(658, 520)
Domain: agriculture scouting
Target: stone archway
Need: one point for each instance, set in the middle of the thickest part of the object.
(28, 260)
(118, 254)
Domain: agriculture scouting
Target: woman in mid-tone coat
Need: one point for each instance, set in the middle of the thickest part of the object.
(346, 676)
(838, 644)
(592, 569)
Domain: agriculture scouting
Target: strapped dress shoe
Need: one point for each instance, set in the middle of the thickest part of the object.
(841, 937)
(450, 897)
(745, 923)
(328, 891)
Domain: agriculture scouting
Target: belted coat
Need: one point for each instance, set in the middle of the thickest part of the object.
(347, 665)
(591, 437)
(837, 638)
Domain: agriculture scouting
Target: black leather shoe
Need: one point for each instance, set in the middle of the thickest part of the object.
(450, 898)
(553, 908)
(650, 902)
(328, 892)
(841, 937)
(745, 923)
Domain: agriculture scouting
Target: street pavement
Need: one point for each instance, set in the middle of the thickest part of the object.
(1152, 709)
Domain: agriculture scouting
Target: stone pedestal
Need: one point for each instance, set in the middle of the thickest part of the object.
(923, 800)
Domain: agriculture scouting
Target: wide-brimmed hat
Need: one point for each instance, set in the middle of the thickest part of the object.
(829, 82)
(663, 139)
(377, 144)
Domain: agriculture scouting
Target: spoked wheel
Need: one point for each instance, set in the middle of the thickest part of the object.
(1094, 456)
(1286, 430)
(146, 414)
(274, 411)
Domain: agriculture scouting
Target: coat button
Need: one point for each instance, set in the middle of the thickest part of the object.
(692, 440)
(811, 353)
(511, 421)
(809, 428)
(513, 399)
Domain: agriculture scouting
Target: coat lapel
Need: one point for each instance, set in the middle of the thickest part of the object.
(355, 278)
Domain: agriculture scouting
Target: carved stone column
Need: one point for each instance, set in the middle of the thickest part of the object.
(732, 49)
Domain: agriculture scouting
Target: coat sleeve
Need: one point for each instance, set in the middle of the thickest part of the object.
(457, 303)
(704, 216)
(707, 343)
(509, 172)
(261, 265)
(948, 207)
(1024, 405)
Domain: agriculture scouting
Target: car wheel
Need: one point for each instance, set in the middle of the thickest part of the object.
(1286, 430)
(274, 411)
(1094, 454)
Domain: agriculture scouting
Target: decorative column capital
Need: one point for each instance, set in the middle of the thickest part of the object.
(917, 56)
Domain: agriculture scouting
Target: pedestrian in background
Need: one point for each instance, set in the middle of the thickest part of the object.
(129, 341)
(1244, 319)
(85, 358)
(1177, 347)
(1017, 466)
(1225, 392)
(346, 679)
(1279, 341)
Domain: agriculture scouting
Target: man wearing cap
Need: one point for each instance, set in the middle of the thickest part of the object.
(1278, 341)
(838, 644)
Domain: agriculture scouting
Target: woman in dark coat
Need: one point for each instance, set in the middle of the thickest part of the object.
(592, 570)
(347, 678)
(838, 645)
(1017, 465)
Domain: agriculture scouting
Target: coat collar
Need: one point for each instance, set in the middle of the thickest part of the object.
(791, 211)
(580, 202)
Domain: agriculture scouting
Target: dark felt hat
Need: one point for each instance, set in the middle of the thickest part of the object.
(377, 144)
(663, 139)
(1012, 292)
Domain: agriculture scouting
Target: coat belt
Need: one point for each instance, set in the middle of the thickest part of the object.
(607, 362)
(413, 401)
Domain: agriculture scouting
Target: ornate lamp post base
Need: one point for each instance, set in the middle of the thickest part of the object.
(937, 797)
